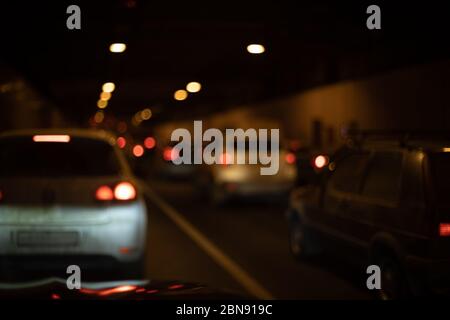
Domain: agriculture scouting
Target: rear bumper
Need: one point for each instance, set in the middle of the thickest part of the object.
(246, 180)
(93, 267)
(257, 189)
(119, 233)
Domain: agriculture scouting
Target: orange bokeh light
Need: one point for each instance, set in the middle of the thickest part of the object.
(138, 151)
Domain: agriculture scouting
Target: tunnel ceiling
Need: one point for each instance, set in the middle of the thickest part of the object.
(307, 44)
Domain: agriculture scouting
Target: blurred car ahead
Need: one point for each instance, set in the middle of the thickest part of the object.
(228, 180)
(68, 197)
(165, 166)
(385, 203)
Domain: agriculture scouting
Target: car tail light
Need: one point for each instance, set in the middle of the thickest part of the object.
(121, 142)
(444, 229)
(290, 158)
(149, 142)
(124, 191)
(104, 193)
(225, 159)
(170, 154)
(167, 154)
(126, 250)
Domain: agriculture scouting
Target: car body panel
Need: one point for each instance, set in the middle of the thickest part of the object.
(246, 179)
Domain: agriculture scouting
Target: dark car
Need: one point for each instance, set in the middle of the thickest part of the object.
(383, 202)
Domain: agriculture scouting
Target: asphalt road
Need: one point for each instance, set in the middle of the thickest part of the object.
(241, 247)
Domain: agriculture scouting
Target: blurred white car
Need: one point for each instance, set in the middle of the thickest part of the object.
(69, 195)
(228, 180)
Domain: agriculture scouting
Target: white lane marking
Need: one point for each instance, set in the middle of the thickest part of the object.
(236, 271)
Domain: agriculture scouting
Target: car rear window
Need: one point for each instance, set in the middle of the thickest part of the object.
(349, 172)
(383, 177)
(22, 157)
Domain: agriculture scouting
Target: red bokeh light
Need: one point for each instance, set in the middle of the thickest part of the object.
(149, 142)
(290, 158)
(121, 142)
(170, 154)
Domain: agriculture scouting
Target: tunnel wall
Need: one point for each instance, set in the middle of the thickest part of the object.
(412, 98)
(409, 99)
(21, 106)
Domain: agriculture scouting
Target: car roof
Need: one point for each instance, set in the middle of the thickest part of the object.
(422, 145)
(420, 140)
(73, 132)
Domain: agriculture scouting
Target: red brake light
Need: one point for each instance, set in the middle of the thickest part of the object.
(444, 229)
(121, 142)
(167, 154)
(104, 193)
(51, 138)
(124, 191)
(290, 158)
(170, 154)
(225, 159)
(149, 142)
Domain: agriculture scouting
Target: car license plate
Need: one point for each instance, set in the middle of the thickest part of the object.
(47, 238)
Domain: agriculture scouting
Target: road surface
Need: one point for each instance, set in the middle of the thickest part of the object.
(241, 247)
